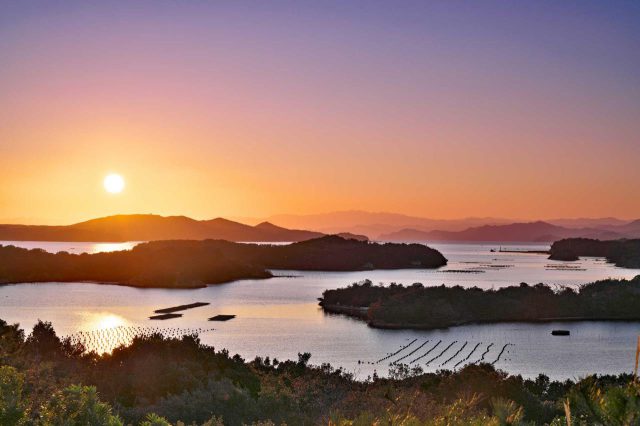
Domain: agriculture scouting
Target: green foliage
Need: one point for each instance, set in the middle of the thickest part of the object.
(202, 386)
(78, 406)
(12, 406)
(153, 419)
(11, 341)
(507, 412)
(43, 339)
(462, 412)
(589, 403)
(213, 421)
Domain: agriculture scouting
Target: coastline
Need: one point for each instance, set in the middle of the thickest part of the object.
(193, 286)
(361, 313)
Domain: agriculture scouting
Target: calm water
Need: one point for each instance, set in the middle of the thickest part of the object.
(279, 317)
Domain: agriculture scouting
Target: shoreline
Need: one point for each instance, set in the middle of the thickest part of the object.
(361, 313)
(121, 284)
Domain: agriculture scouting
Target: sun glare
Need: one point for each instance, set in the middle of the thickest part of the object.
(113, 183)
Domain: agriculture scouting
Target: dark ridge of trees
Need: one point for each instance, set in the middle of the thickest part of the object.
(435, 307)
(47, 380)
(144, 266)
(187, 263)
(623, 253)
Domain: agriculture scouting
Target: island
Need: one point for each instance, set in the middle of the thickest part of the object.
(192, 264)
(419, 307)
(623, 253)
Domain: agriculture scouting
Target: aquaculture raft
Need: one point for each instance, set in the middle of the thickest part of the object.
(222, 318)
(180, 308)
(164, 316)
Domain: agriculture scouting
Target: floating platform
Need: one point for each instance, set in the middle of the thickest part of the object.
(222, 318)
(560, 333)
(165, 316)
(180, 308)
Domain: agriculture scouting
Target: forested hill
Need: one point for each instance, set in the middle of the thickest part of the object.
(190, 263)
(623, 253)
(397, 306)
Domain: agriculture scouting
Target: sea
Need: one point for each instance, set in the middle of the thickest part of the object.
(280, 317)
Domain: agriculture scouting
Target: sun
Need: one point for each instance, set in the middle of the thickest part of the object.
(113, 183)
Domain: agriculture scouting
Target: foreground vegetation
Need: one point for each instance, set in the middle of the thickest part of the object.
(189, 264)
(48, 381)
(623, 253)
(417, 306)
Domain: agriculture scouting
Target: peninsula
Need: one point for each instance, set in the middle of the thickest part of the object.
(190, 263)
(623, 253)
(419, 307)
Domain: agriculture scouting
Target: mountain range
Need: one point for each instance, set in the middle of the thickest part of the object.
(371, 224)
(398, 227)
(378, 226)
(149, 227)
(517, 232)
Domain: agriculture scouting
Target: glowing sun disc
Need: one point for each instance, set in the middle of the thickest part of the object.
(113, 183)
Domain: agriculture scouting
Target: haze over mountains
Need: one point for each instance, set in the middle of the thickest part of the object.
(372, 224)
(376, 226)
(398, 227)
(517, 232)
(148, 227)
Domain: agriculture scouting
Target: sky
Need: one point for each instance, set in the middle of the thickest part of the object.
(527, 109)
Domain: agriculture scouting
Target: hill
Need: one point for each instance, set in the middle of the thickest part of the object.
(191, 263)
(623, 253)
(416, 306)
(148, 227)
(517, 232)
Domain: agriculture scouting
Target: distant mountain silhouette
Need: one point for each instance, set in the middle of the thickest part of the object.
(521, 232)
(372, 224)
(148, 227)
(585, 222)
(631, 229)
(380, 225)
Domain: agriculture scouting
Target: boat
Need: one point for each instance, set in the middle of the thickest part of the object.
(560, 333)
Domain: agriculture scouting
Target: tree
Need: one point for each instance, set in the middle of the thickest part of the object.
(78, 406)
(588, 403)
(153, 419)
(12, 406)
(43, 339)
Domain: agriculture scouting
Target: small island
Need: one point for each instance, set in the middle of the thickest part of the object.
(192, 264)
(419, 307)
(623, 253)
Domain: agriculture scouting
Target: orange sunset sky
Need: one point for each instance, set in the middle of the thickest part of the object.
(444, 109)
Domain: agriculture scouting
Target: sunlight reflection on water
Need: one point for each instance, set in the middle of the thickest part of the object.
(279, 317)
(73, 247)
(100, 320)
